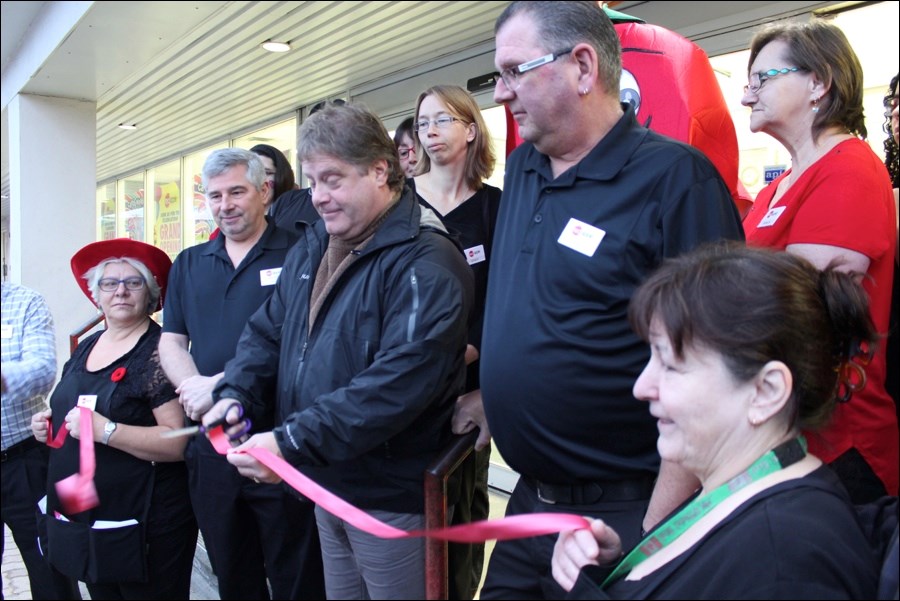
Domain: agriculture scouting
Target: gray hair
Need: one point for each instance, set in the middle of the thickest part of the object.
(95, 274)
(224, 159)
(565, 24)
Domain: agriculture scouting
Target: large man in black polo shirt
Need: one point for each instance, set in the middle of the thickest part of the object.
(592, 204)
(252, 531)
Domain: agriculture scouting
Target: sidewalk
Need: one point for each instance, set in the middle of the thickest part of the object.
(16, 586)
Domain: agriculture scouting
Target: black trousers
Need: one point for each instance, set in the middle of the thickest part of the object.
(253, 532)
(520, 569)
(170, 563)
(24, 483)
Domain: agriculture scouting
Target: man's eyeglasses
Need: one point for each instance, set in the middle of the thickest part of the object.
(405, 152)
(440, 122)
(758, 78)
(511, 75)
(111, 285)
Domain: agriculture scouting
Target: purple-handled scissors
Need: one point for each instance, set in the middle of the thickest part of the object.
(245, 424)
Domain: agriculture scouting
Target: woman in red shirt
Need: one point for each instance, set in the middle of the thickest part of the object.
(834, 205)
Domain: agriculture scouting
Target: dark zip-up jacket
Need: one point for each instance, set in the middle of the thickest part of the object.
(364, 399)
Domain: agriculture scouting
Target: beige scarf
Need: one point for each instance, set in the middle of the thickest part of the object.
(339, 255)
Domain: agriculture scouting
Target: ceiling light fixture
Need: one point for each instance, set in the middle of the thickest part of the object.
(276, 46)
(127, 125)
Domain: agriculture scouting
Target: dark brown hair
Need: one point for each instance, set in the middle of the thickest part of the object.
(755, 305)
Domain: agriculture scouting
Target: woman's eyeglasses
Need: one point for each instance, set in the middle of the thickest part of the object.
(757, 79)
(405, 152)
(111, 285)
(440, 123)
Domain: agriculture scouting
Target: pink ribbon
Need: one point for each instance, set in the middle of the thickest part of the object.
(518, 526)
(78, 493)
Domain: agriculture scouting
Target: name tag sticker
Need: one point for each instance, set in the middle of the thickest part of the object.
(581, 237)
(268, 277)
(771, 217)
(7, 331)
(87, 400)
(475, 254)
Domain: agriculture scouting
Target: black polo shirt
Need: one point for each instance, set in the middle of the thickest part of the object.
(209, 301)
(559, 358)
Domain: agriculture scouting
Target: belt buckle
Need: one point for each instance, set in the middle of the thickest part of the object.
(541, 496)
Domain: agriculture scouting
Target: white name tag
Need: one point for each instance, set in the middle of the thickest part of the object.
(581, 237)
(771, 217)
(7, 331)
(268, 277)
(88, 400)
(475, 254)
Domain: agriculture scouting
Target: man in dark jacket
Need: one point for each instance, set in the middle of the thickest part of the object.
(365, 336)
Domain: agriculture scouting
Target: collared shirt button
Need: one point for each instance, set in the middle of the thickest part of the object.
(538, 218)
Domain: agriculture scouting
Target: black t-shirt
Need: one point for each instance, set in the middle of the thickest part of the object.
(472, 223)
(797, 540)
(559, 358)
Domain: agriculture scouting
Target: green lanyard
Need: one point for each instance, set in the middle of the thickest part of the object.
(778, 458)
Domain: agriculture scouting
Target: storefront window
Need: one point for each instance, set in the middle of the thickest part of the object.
(130, 205)
(165, 181)
(106, 212)
(199, 223)
(282, 136)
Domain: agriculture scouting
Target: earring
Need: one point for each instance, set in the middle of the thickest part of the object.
(583, 91)
(815, 107)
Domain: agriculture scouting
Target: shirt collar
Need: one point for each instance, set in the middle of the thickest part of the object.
(604, 161)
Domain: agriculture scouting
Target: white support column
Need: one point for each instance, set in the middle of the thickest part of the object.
(52, 151)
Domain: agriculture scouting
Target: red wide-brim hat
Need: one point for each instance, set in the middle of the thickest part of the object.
(157, 261)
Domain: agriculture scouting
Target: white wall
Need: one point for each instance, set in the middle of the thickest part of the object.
(52, 149)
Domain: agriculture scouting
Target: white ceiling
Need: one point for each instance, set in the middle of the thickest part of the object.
(192, 73)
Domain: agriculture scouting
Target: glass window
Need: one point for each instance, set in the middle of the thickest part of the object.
(495, 119)
(282, 136)
(165, 181)
(198, 223)
(130, 214)
(106, 211)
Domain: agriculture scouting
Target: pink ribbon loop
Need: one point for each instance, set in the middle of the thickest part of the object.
(508, 528)
(78, 492)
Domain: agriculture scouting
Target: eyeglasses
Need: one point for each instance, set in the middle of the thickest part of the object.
(441, 123)
(758, 78)
(111, 284)
(889, 105)
(405, 152)
(511, 75)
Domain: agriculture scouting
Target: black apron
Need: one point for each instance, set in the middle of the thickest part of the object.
(109, 542)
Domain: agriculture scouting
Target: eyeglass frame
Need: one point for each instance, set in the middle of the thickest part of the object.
(442, 122)
(769, 74)
(404, 152)
(109, 281)
(514, 72)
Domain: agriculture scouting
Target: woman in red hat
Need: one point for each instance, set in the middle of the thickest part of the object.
(139, 541)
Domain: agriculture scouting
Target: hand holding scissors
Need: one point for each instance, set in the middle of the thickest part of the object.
(222, 420)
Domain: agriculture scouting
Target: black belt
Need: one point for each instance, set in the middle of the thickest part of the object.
(587, 493)
(20, 448)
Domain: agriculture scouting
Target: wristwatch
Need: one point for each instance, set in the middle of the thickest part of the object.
(108, 430)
